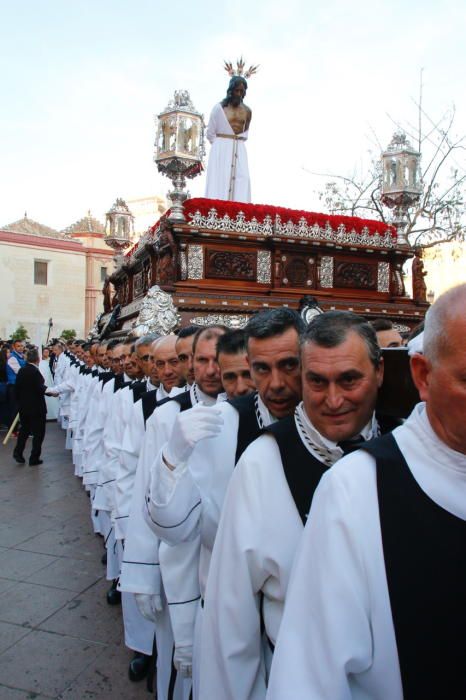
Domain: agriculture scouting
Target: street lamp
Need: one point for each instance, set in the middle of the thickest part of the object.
(179, 148)
(401, 181)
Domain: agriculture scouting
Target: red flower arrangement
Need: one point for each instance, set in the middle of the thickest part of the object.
(260, 211)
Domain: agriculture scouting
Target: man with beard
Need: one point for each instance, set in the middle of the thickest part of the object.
(190, 475)
(227, 131)
(376, 605)
(269, 497)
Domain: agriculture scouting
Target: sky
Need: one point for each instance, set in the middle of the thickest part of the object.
(82, 81)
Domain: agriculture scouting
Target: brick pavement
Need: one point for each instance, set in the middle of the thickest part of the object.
(58, 637)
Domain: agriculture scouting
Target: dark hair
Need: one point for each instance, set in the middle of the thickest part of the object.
(188, 331)
(232, 343)
(113, 343)
(210, 332)
(266, 324)
(231, 86)
(381, 324)
(32, 355)
(331, 328)
(146, 339)
(86, 346)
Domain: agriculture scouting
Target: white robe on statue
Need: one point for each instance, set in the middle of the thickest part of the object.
(337, 640)
(224, 154)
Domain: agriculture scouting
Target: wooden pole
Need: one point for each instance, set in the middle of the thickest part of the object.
(12, 427)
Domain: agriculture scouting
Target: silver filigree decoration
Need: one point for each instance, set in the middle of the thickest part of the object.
(274, 226)
(158, 314)
(195, 262)
(383, 277)
(183, 263)
(230, 320)
(401, 328)
(264, 266)
(326, 271)
(94, 331)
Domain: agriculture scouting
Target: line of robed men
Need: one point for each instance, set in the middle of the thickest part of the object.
(202, 485)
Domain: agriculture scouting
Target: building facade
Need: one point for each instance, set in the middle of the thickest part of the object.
(445, 265)
(46, 274)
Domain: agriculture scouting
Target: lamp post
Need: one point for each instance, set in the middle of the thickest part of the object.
(179, 148)
(401, 181)
(119, 229)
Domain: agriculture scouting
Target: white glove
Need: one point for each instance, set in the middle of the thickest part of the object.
(183, 661)
(191, 426)
(149, 605)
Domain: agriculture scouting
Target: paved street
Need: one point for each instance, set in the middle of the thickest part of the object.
(58, 636)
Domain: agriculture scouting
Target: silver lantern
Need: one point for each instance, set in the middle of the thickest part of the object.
(179, 147)
(119, 228)
(401, 181)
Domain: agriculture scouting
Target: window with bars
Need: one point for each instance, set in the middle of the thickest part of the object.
(103, 274)
(40, 272)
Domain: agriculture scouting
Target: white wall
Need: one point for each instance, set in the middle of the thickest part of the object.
(21, 301)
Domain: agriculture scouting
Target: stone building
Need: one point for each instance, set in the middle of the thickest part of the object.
(445, 265)
(49, 274)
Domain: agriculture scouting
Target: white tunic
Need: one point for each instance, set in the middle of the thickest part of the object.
(95, 423)
(219, 183)
(61, 370)
(51, 401)
(140, 571)
(337, 639)
(257, 537)
(187, 501)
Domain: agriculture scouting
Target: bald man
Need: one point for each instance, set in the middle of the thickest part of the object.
(140, 566)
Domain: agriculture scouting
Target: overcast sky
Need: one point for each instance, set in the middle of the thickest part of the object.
(83, 79)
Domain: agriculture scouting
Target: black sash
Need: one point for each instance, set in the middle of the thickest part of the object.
(248, 427)
(424, 549)
(120, 382)
(105, 377)
(150, 403)
(302, 470)
(183, 399)
(138, 389)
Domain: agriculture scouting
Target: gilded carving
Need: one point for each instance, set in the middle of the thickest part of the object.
(231, 265)
(356, 275)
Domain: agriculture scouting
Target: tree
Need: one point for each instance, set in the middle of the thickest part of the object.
(20, 333)
(441, 213)
(68, 334)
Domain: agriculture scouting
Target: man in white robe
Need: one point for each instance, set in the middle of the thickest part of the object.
(140, 566)
(186, 498)
(227, 131)
(268, 500)
(60, 370)
(369, 615)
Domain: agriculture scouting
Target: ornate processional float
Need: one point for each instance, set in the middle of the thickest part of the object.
(217, 261)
